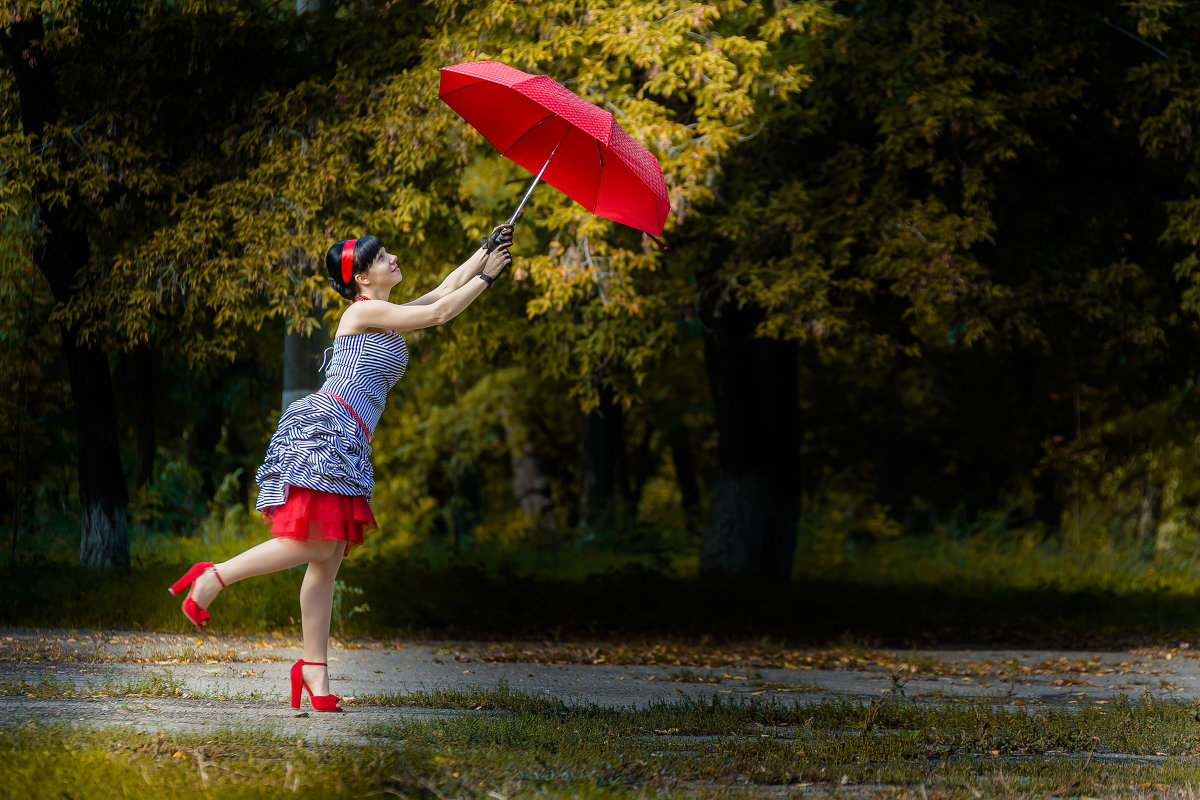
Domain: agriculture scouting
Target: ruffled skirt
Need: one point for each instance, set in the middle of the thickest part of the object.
(318, 445)
(310, 515)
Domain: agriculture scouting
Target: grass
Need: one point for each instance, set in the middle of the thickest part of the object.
(158, 684)
(902, 593)
(691, 676)
(463, 603)
(720, 748)
(190, 655)
(155, 684)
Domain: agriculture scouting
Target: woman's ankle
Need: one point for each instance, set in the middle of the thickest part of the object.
(317, 678)
(207, 587)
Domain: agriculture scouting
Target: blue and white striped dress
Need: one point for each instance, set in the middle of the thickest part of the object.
(323, 441)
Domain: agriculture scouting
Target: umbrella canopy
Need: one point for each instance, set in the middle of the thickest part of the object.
(567, 141)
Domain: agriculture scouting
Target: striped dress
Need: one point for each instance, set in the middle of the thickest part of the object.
(323, 441)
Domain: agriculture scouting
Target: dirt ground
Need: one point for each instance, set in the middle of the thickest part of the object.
(228, 681)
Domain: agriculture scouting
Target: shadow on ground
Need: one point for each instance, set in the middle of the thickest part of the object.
(469, 604)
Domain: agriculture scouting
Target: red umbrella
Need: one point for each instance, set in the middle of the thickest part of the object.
(567, 141)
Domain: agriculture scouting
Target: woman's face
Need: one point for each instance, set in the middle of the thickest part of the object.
(384, 272)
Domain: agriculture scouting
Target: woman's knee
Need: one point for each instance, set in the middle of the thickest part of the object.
(326, 550)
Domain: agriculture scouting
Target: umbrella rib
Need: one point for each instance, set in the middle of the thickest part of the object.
(600, 155)
(443, 97)
(504, 152)
(658, 213)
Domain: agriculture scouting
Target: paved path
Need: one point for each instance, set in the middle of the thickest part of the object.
(241, 682)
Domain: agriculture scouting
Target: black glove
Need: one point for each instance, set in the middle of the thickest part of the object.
(495, 262)
(501, 235)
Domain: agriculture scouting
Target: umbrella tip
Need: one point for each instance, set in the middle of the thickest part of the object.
(661, 244)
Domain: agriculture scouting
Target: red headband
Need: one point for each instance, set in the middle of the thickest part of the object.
(348, 260)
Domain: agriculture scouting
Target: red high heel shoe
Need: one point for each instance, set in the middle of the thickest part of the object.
(327, 702)
(195, 613)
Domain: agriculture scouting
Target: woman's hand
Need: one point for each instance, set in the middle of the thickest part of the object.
(501, 236)
(495, 261)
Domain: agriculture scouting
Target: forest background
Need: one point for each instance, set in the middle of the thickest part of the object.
(927, 315)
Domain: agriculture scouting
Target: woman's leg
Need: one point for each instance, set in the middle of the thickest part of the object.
(269, 556)
(316, 610)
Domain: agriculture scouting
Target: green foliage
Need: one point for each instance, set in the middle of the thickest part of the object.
(980, 221)
(341, 591)
(983, 586)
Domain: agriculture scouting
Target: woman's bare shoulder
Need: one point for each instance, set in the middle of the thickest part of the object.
(359, 317)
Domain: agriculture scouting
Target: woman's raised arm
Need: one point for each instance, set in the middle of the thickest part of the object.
(459, 276)
(463, 273)
(369, 314)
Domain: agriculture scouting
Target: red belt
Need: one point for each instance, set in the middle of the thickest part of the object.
(366, 430)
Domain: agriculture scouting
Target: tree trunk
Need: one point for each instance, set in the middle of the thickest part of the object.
(104, 539)
(531, 487)
(206, 435)
(302, 356)
(751, 530)
(604, 482)
(1148, 513)
(684, 462)
(145, 375)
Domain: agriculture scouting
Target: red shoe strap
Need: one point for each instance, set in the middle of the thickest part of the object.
(214, 572)
(313, 663)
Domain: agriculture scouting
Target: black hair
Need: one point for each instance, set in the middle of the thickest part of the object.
(365, 250)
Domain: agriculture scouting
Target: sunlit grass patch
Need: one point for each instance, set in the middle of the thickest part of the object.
(156, 684)
(957, 748)
(191, 655)
(803, 687)
(47, 686)
(715, 747)
(690, 676)
(691, 654)
(501, 698)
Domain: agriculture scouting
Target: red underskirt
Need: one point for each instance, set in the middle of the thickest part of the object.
(312, 515)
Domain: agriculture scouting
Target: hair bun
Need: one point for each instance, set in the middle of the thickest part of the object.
(365, 250)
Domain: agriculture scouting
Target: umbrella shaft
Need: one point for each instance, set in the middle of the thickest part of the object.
(527, 193)
(537, 178)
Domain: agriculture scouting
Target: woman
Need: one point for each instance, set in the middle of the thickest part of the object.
(316, 479)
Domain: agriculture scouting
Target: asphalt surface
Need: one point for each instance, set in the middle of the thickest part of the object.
(239, 682)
